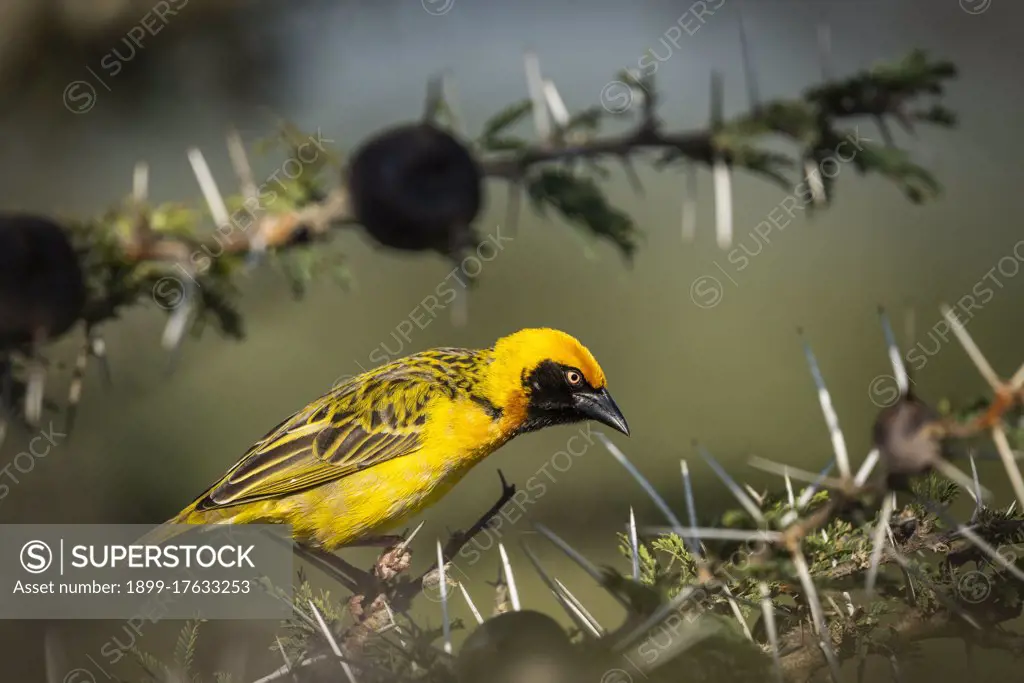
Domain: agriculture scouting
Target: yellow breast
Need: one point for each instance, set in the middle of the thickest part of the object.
(458, 435)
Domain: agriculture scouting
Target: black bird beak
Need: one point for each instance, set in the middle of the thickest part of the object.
(600, 407)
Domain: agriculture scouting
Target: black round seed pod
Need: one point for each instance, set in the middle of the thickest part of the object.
(415, 187)
(42, 289)
(906, 444)
(517, 647)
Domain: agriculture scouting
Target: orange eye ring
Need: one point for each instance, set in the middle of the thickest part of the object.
(574, 377)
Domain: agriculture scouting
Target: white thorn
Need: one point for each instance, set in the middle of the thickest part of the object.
(472, 607)
(333, 642)
(564, 597)
(213, 197)
(757, 497)
(177, 323)
(535, 86)
(899, 370)
(689, 210)
(443, 586)
(663, 611)
(634, 545)
(753, 535)
(35, 390)
(831, 419)
(240, 160)
(768, 613)
(555, 104)
(582, 613)
(1017, 381)
(731, 484)
(975, 491)
(817, 614)
(140, 183)
(691, 509)
(877, 543)
(573, 554)
(624, 461)
(408, 539)
(808, 493)
(723, 203)
(510, 580)
(1003, 446)
(867, 467)
(814, 182)
(284, 655)
(394, 624)
(814, 478)
(971, 348)
(737, 613)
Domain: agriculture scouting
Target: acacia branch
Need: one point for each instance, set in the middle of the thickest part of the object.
(811, 122)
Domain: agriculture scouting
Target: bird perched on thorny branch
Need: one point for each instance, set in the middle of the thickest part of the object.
(381, 447)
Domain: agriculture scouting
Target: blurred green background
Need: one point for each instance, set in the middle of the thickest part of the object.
(732, 375)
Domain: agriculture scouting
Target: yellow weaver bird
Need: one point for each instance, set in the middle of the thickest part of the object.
(381, 447)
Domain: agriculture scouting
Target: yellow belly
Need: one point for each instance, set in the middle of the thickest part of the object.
(367, 503)
(385, 496)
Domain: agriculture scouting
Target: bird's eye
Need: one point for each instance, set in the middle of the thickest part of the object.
(573, 377)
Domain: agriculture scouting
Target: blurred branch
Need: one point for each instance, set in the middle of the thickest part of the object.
(136, 253)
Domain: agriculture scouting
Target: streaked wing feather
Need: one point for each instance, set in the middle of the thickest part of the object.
(361, 423)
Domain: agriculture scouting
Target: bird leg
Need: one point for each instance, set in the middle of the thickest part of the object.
(382, 591)
(353, 578)
(382, 541)
(459, 539)
(404, 593)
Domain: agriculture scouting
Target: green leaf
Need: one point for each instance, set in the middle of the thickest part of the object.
(506, 118)
(588, 120)
(185, 647)
(581, 202)
(505, 144)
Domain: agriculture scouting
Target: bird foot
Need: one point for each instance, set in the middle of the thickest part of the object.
(369, 617)
(392, 562)
(383, 541)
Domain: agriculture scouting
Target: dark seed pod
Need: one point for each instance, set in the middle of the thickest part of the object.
(42, 290)
(517, 647)
(415, 187)
(907, 441)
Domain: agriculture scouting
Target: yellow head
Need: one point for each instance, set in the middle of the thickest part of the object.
(548, 377)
